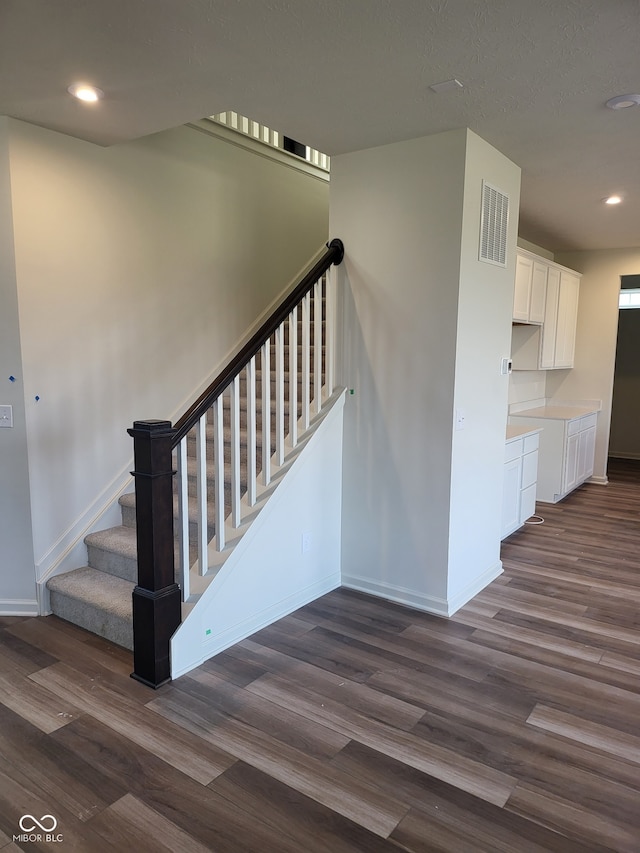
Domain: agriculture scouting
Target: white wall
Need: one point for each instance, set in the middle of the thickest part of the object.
(398, 209)
(485, 305)
(138, 269)
(409, 216)
(17, 585)
(593, 373)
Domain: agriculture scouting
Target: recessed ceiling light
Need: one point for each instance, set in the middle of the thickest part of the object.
(623, 102)
(86, 93)
(613, 199)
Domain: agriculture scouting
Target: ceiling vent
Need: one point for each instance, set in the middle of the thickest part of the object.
(493, 226)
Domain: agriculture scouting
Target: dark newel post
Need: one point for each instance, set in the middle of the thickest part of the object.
(156, 598)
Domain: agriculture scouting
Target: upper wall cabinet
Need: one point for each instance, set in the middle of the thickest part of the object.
(530, 290)
(547, 339)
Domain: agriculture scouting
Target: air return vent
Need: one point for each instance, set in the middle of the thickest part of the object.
(493, 226)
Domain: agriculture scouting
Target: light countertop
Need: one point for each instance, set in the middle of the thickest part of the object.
(516, 431)
(556, 413)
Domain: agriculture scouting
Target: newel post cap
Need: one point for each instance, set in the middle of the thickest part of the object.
(151, 428)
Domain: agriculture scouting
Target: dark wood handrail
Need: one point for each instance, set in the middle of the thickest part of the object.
(333, 255)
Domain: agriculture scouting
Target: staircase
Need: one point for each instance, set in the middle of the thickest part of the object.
(219, 497)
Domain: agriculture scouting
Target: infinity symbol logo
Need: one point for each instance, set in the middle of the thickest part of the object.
(42, 824)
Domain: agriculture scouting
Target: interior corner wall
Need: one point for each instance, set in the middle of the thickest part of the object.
(594, 366)
(138, 269)
(17, 583)
(398, 209)
(483, 339)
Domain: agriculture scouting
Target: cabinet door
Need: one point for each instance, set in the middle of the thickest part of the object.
(570, 478)
(522, 291)
(550, 326)
(511, 497)
(567, 319)
(590, 452)
(538, 292)
(587, 452)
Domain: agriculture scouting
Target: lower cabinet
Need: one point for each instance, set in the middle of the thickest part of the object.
(567, 449)
(581, 444)
(519, 485)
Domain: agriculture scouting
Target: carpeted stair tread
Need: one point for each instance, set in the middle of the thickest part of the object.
(114, 551)
(94, 600)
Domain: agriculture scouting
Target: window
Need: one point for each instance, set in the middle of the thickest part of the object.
(630, 298)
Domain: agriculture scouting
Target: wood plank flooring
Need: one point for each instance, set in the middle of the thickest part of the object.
(355, 724)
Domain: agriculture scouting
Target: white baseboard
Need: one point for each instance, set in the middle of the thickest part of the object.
(419, 601)
(408, 597)
(18, 607)
(598, 481)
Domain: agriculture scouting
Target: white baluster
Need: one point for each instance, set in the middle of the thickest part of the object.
(293, 376)
(218, 456)
(266, 412)
(280, 394)
(251, 433)
(183, 518)
(201, 480)
(317, 345)
(306, 357)
(330, 331)
(235, 452)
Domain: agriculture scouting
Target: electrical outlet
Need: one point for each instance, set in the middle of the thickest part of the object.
(505, 366)
(6, 416)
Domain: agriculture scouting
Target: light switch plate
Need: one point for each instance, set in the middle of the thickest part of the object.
(6, 416)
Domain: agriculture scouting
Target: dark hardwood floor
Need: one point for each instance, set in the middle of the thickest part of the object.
(357, 725)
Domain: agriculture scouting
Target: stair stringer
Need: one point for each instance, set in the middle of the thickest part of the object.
(267, 575)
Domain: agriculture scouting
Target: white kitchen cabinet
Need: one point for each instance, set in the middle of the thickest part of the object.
(522, 289)
(519, 484)
(538, 292)
(551, 345)
(511, 497)
(547, 346)
(565, 343)
(530, 290)
(567, 447)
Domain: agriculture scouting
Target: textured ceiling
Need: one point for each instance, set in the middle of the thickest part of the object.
(342, 75)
